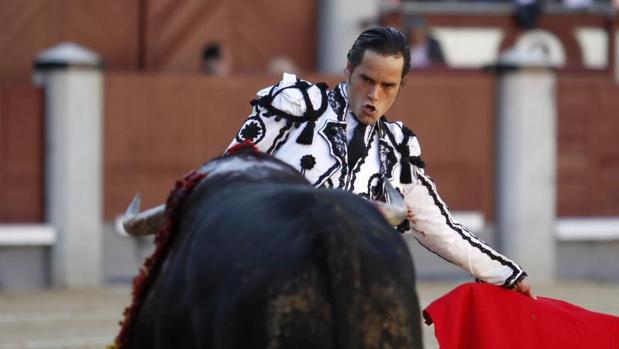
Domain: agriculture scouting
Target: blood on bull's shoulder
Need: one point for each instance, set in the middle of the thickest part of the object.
(252, 256)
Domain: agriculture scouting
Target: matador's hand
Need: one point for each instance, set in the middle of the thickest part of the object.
(523, 287)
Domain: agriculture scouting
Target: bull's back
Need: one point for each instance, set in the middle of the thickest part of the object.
(278, 265)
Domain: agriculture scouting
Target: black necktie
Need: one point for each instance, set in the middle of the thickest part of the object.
(356, 148)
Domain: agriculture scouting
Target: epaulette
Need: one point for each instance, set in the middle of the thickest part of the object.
(309, 114)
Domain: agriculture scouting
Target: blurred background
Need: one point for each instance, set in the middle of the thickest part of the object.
(100, 100)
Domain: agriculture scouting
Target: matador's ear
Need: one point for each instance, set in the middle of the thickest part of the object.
(348, 70)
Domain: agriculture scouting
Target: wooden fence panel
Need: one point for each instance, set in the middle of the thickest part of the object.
(253, 32)
(588, 159)
(21, 155)
(109, 28)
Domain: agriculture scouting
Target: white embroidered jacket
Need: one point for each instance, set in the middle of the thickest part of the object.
(305, 125)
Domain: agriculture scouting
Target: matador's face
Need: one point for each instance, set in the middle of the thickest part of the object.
(373, 85)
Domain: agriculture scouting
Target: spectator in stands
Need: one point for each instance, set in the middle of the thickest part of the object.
(216, 60)
(526, 13)
(426, 50)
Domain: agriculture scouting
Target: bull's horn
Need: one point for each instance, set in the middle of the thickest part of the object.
(394, 210)
(145, 223)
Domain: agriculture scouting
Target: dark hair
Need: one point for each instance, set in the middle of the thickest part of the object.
(211, 50)
(386, 41)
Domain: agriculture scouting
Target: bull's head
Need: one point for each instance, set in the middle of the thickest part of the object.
(307, 264)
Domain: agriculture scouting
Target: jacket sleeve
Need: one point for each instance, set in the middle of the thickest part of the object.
(276, 110)
(434, 228)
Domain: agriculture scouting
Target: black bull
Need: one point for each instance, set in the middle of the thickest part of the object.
(261, 259)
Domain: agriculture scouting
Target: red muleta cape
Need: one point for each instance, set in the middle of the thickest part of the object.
(481, 316)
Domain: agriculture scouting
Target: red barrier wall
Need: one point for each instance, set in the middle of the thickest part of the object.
(21, 155)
